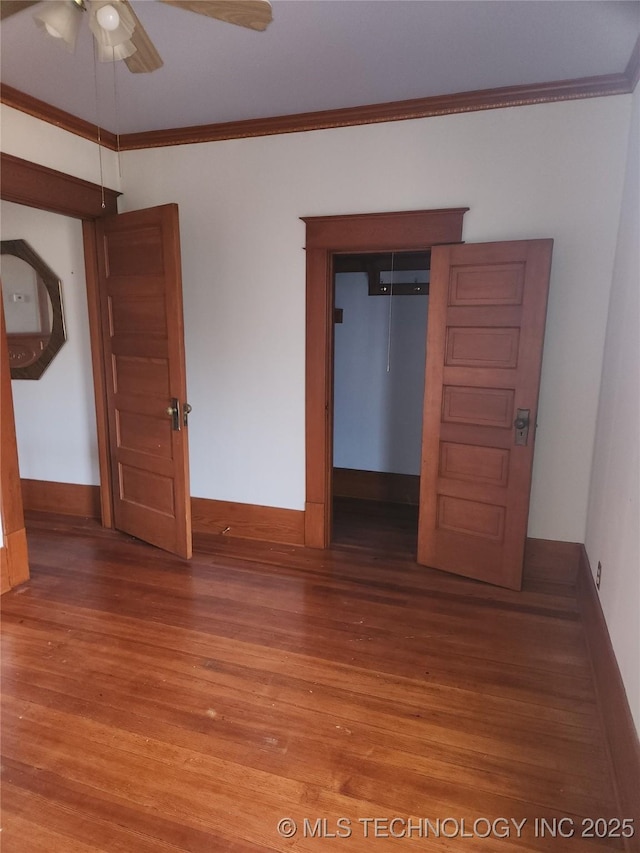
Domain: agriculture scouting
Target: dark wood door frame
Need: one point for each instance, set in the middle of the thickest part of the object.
(413, 230)
(38, 186)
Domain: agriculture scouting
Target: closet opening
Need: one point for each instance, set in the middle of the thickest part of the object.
(379, 347)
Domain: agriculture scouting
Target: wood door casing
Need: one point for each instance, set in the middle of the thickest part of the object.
(409, 230)
(485, 333)
(140, 287)
(14, 557)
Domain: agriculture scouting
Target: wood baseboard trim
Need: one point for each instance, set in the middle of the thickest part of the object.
(316, 534)
(61, 498)
(552, 561)
(244, 521)
(615, 713)
(248, 521)
(14, 560)
(376, 486)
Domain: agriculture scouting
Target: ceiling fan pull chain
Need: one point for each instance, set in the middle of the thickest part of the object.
(99, 136)
(115, 100)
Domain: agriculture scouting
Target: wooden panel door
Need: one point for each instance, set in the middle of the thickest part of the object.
(487, 309)
(139, 278)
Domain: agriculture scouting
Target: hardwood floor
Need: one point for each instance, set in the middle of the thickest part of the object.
(152, 704)
(376, 528)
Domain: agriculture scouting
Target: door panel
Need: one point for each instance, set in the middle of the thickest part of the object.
(143, 337)
(487, 311)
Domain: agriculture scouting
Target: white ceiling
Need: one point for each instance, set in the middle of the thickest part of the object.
(320, 54)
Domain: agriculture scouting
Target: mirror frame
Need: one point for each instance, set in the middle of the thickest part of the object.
(21, 249)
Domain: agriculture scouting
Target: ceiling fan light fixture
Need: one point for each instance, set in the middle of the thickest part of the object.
(108, 17)
(61, 20)
(118, 51)
(110, 23)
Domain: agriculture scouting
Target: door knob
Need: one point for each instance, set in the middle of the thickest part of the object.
(521, 425)
(174, 412)
(186, 410)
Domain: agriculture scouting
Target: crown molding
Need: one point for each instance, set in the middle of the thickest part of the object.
(439, 105)
(632, 71)
(462, 102)
(60, 118)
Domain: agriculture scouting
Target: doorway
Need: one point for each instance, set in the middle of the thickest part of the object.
(42, 188)
(329, 236)
(380, 331)
(485, 340)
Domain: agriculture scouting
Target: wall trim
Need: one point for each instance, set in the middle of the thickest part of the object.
(247, 521)
(615, 713)
(53, 115)
(33, 185)
(239, 520)
(90, 242)
(551, 561)
(380, 486)
(61, 498)
(411, 230)
(415, 108)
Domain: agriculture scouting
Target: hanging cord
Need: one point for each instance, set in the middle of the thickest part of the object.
(95, 81)
(115, 101)
(390, 315)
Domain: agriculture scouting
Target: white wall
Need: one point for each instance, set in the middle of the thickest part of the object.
(613, 523)
(552, 170)
(378, 412)
(55, 415)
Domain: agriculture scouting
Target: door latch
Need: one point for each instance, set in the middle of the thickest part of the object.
(174, 411)
(521, 425)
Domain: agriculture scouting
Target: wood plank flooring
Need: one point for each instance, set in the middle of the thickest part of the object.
(152, 704)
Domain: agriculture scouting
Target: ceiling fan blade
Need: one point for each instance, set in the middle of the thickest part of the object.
(254, 14)
(146, 58)
(10, 7)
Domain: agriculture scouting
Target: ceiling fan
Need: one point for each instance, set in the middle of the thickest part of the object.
(118, 31)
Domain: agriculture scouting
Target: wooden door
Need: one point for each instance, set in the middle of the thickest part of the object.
(139, 279)
(487, 309)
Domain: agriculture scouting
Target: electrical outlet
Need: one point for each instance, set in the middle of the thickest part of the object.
(598, 574)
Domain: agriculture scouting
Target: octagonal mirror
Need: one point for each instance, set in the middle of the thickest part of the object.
(32, 296)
